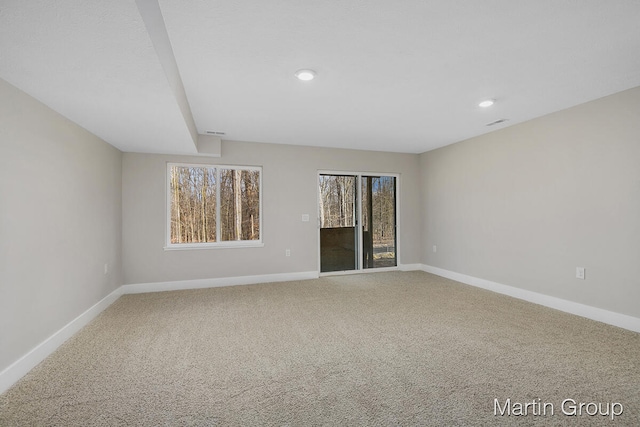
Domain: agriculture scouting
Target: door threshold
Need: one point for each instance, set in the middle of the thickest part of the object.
(366, 270)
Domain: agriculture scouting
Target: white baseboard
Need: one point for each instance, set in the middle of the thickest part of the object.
(11, 374)
(22, 366)
(410, 267)
(610, 317)
(214, 283)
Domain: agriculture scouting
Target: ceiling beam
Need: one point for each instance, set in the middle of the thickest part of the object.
(154, 22)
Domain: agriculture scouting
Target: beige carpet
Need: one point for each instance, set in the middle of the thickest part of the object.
(372, 349)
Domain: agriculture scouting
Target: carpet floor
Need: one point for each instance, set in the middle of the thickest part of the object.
(382, 349)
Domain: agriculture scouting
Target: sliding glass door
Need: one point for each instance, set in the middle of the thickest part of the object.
(357, 221)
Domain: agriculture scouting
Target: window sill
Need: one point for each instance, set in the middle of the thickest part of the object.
(221, 245)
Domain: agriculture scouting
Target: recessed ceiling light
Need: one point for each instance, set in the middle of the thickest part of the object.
(305, 75)
(487, 103)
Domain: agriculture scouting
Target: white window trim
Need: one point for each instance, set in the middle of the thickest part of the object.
(209, 245)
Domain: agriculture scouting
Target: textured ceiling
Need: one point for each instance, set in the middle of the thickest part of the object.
(393, 76)
(94, 63)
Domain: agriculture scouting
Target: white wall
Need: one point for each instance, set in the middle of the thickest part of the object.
(60, 221)
(526, 205)
(289, 190)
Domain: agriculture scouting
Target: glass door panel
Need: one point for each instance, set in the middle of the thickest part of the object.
(378, 221)
(338, 222)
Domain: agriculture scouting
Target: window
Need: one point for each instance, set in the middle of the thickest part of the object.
(213, 206)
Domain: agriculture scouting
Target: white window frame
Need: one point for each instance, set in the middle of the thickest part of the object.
(210, 245)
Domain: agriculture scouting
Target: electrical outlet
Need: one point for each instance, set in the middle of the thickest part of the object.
(305, 217)
(580, 272)
(106, 268)
(287, 252)
(435, 248)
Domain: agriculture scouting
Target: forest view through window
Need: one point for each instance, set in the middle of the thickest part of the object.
(213, 205)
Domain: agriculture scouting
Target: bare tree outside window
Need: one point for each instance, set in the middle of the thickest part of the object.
(214, 204)
(337, 208)
(239, 197)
